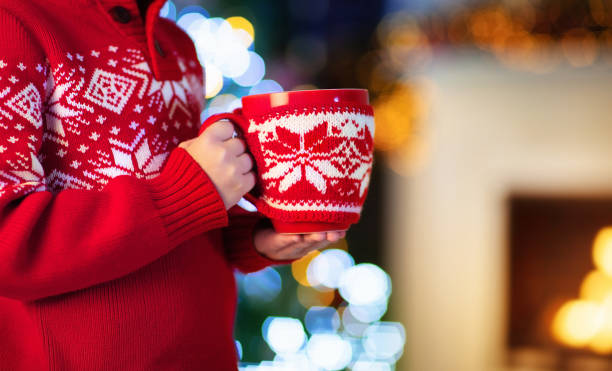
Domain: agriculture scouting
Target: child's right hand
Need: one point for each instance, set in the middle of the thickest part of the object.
(224, 160)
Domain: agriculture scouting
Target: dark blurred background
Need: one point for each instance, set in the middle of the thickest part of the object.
(483, 243)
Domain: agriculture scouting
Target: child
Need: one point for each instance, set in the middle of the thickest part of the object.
(116, 248)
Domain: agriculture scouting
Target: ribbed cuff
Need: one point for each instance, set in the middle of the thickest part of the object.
(187, 200)
(239, 236)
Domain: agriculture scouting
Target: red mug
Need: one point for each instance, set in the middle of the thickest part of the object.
(313, 152)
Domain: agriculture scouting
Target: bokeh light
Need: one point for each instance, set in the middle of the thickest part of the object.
(218, 44)
(168, 10)
(601, 342)
(329, 351)
(238, 349)
(223, 103)
(232, 70)
(365, 284)
(291, 362)
(398, 113)
(244, 28)
(263, 285)
(322, 320)
(352, 326)
(299, 267)
(311, 297)
(214, 80)
(368, 313)
(587, 322)
(577, 322)
(367, 365)
(327, 268)
(254, 73)
(190, 15)
(602, 250)
(266, 86)
(596, 286)
(580, 47)
(284, 334)
(222, 46)
(385, 340)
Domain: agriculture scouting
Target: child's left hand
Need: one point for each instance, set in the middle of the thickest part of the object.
(277, 246)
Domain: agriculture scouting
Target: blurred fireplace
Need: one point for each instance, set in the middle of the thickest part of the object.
(550, 254)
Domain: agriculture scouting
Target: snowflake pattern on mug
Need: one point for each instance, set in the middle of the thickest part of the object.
(326, 151)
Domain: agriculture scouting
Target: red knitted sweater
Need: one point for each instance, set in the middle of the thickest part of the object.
(116, 252)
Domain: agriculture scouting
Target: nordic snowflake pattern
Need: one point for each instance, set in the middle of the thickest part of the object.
(316, 160)
(98, 115)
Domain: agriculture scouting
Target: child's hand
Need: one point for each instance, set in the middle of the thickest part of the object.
(224, 160)
(278, 246)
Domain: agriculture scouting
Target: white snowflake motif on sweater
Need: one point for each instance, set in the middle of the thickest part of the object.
(88, 121)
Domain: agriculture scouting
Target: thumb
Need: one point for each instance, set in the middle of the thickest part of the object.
(186, 143)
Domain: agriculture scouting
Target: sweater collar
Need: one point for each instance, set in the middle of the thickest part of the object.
(130, 4)
(163, 66)
(146, 32)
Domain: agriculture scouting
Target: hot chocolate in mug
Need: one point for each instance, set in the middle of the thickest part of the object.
(313, 153)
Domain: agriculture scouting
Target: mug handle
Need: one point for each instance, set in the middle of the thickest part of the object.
(242, 125)
(235, 117)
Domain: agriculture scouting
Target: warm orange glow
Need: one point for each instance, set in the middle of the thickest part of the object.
(241, 23)
(596, 286)
(397, 113)
(300, 266)
(580, 47)
(602, 250)
(310, 297)
(602, 342)
(588, 322)
(598, 12)
(577, 323)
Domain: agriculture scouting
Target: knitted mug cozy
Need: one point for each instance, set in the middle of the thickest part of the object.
(313, 163)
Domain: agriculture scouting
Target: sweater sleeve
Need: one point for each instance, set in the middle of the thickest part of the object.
(238, 241)
(52, 243)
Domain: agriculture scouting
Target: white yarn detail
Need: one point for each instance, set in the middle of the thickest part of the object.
(308, 205)
(316, 166)
(306, 122)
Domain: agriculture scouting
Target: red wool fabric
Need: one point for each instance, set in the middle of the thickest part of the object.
(116, 252)
(315, 161)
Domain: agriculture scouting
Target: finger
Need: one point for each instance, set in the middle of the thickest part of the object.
(235, 146)
(289, 239)
(281, 241)
(245, 164)
(302, 248)
(186, 143)
(315, 237)
(248, 181)
(334, 236)
(222, 130)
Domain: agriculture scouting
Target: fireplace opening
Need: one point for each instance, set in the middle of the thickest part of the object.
(560, 283)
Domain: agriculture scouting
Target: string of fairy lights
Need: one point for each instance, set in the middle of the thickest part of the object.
(343, 302)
